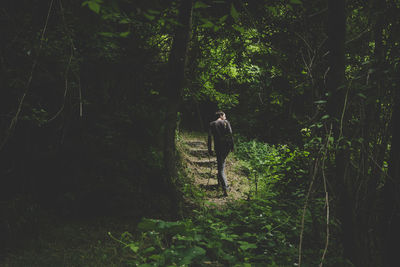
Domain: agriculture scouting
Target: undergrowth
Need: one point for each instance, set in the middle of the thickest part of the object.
(242, 234)
(260, 231)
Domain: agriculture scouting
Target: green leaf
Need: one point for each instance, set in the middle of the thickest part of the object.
(153, 92)
(148, 250)
(296, 2)
(362, 95)
(273, 9)
(320, 102)
(124, 21)
(171, 227)
(95, 7)
(206, 24)
(238, 28)
(148, 16)
(106, 34)
(245, 245)
(191, 253)
(124, 34)
(200, 4)
(154, 12)
(223, 18)
(147, 225)
(325, 117)
(133, 247)
(234, 12)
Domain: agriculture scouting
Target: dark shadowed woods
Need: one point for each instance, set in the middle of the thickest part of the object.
(104, 114)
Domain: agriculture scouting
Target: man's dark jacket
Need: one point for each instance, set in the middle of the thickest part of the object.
(222, 132)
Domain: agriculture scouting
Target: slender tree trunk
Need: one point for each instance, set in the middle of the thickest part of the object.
(336, 106)
(174, 85)
(373, 109)
(374, 132)
(391, 194)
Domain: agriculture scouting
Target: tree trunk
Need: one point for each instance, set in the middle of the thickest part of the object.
(374, 131)
(336, 87)
(174, 85)
(391, 194)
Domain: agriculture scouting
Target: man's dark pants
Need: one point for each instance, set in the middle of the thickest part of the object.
(221, 154)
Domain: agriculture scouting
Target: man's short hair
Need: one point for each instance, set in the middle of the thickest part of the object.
(219, 114)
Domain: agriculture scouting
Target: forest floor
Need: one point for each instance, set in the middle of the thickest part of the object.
(245, 228)
(202, 168)
(87, 242)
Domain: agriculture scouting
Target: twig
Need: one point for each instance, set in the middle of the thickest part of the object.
(304, 40)
(326, 197)
(357, 37)
(307, 66)
(68, 66)
(323, 149)
(66, 88)
(304, 209)
(325, 74)
(279, 225)
(318, 13)
(80, 97)
(344, 110)
(380, 168)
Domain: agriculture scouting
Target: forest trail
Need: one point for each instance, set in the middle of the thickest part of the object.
(203, 170)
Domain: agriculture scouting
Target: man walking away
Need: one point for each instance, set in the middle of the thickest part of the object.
(221, 130)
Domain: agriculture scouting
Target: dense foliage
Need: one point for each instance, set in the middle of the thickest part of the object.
(260, 231)
(94, 92)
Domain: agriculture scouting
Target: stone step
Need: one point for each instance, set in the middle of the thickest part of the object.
(204, 162)
(198, 152)
(207, 169)
(196, 143)
(206, 175)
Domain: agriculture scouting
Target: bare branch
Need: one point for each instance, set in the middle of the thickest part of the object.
(305, 208)
(326, 197)
(318, 13)
(304, 40)
(358, 36)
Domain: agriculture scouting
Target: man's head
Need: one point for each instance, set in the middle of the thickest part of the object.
(220, 115)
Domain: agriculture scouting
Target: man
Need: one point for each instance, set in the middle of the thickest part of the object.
(221, 130)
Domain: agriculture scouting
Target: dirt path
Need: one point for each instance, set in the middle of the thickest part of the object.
(203, 169)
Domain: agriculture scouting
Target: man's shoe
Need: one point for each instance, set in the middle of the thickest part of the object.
(226, 190)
